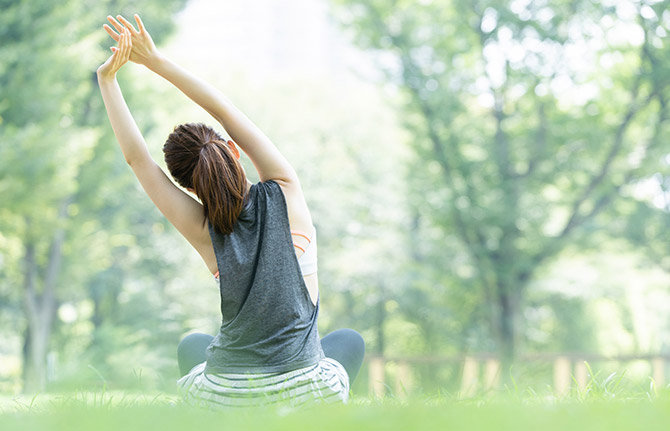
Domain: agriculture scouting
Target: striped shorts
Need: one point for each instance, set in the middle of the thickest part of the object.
(325, 382)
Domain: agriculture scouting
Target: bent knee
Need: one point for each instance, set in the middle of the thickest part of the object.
(194, 340)
(354, 339)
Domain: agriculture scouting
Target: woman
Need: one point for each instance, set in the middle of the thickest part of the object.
(258, 241)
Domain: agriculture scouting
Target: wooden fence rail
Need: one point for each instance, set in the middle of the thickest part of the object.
(483, 371)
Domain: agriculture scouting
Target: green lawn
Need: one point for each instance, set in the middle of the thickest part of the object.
(118, 412)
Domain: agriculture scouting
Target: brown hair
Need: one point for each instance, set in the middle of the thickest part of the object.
(199, 158)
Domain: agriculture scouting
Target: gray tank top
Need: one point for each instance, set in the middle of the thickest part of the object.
(269, 320)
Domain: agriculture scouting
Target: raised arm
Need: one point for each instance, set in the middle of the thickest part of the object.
(267, 159)
(184, 212)
(125, 129)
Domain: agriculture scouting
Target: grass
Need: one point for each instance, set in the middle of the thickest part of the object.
(605, 403)
(148, 412)
(496, 415)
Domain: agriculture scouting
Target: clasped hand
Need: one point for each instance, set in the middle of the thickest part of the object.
(134, 45)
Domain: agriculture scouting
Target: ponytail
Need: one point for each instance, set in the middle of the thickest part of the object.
(221, 185)
(198, 158)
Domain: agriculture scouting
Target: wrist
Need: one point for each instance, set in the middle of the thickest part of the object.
(155, 61)
(104, 78)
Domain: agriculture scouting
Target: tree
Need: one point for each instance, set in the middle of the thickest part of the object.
(51, 125)
(528, 119)
(648, 219)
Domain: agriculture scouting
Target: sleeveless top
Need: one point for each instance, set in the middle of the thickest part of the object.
(268, 319)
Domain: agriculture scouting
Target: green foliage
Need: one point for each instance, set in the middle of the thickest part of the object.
(60, 171)
(527, 120)
(647, 224)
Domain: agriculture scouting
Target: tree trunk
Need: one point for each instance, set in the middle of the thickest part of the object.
(507, 327)
(40, 308)
(35, 377)
(34, 359)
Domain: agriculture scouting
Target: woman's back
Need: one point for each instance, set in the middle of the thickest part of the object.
(268, 318)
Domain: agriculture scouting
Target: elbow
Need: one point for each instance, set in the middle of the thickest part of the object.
(132, 161)
(138, 162)
(133, 158)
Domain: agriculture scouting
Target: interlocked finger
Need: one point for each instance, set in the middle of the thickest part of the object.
(127, 44)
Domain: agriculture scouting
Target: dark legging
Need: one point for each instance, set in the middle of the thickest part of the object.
(346, 346)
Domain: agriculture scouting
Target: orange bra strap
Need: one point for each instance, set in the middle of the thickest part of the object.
(302, 235)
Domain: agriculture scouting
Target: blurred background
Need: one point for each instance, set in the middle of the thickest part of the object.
(490, 181)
